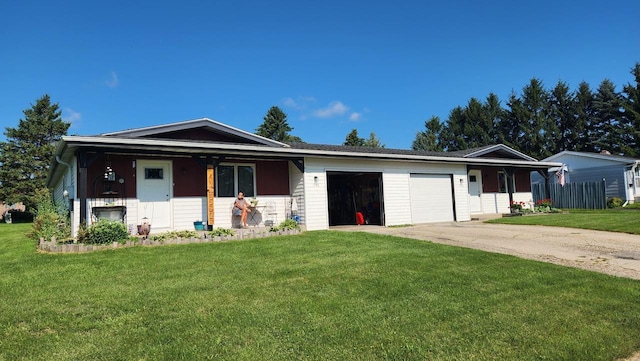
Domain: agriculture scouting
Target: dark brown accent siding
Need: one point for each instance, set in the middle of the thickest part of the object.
(122, 166)
(272, 178)
(523, 180)
(501, 155)
(490, 180)
(189, 178)
(201, 134)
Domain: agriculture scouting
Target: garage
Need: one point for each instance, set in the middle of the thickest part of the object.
(432, 198)
(350, 193)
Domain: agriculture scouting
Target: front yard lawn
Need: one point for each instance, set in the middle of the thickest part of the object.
(613, 220)
(317, 296)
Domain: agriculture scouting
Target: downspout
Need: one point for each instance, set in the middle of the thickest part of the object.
(64, 178)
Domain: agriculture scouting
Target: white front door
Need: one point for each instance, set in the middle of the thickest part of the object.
(475, 191)
(154, 180)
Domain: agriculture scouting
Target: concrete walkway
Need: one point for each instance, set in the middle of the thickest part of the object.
(616, 254)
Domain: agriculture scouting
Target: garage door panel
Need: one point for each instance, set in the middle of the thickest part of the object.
(431, 198)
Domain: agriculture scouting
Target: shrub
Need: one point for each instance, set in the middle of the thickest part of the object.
(51, 220)
(221, 232)
(285, 225)
(517, 206)
(106, 231)
(173, 235)
(614, 202)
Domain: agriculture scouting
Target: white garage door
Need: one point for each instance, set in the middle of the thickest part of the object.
(431, 198)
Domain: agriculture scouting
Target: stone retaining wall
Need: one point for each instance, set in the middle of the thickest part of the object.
(54, 247)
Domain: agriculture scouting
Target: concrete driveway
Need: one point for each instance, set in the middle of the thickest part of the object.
(616, 254)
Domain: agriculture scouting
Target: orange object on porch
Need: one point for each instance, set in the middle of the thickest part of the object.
(210, 193)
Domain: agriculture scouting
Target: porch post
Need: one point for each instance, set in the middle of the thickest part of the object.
(210, 194)
(510, 184)
(547, 186)
(82, 186)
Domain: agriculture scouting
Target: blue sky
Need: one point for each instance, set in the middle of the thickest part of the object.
(332, 66)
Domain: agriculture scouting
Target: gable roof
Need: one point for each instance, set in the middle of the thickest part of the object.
(492, 151)
(241, 144)
(155, 131)
(599, 156)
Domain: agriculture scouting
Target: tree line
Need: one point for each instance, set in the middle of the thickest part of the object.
(538, 122)
(541, 122)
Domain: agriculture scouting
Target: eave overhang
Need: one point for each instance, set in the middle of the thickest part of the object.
(165, 146)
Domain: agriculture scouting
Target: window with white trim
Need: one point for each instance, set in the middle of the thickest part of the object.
(234, 178)
(502, 182)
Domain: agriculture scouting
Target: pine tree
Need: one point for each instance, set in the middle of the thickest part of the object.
(477, 125)
(429, 138)
(373, 141)
(584, 114)
(495, 115)
(562, 112)
(608, 134)
(514, 127)
(28, 152)
(631, 115)
(453, 135)
(353, 139)
(275, 126)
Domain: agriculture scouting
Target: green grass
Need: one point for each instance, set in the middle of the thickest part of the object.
(613, 220)
(317, 296)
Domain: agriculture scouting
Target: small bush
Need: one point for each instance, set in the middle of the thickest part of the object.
(173, 235)
(221, 232)
(106, 231)
(285, 225)
(614, 202)
(51, 220)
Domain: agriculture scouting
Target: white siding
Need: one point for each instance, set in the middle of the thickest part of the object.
(461, 196)
(316, 206)
(395, 187)
(296, 184)
(132, 219)
(495, 202)
(187, 210)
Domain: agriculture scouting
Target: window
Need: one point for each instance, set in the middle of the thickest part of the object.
(234, 178)
(502, 182)
(152, 173)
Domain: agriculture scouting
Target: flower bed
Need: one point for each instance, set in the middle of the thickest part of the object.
(54, 246)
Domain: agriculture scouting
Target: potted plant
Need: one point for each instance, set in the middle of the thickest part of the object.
(516, 207)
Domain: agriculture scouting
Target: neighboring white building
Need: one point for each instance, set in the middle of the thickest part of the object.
(620, 174)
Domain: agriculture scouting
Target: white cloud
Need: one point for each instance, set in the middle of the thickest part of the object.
(355, 116)
(289, 102)
(71, 116)
(112, 82)
(300, 103)
(333, 109)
